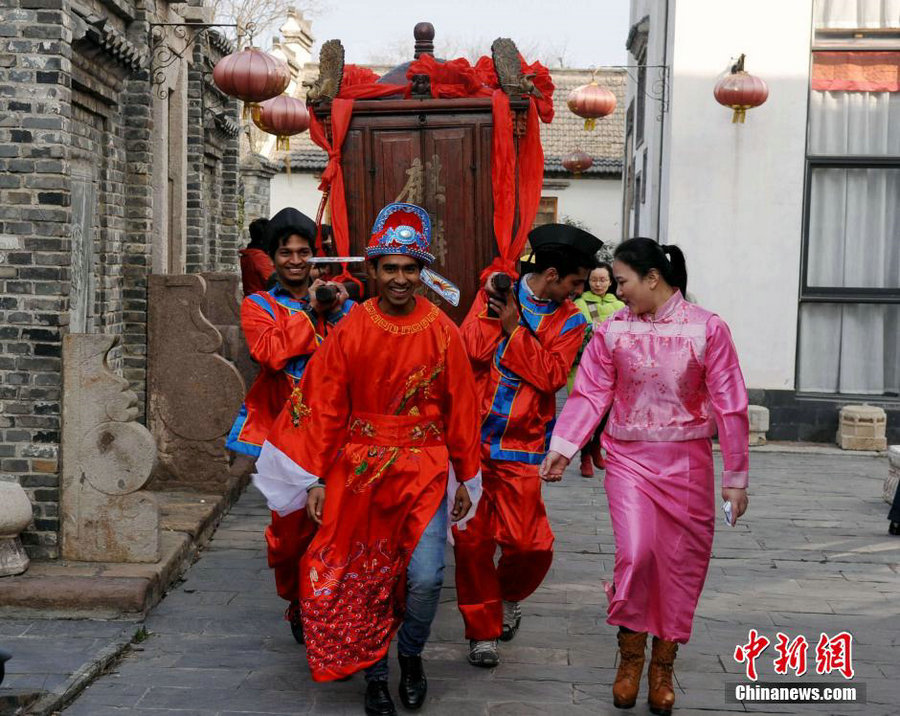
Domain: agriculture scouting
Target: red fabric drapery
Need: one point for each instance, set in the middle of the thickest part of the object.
(530, 166)
(362, 83)
(453, 79)
(856, 71)
(332, 183)
(503, 183)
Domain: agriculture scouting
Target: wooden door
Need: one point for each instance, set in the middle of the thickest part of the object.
(438, 161)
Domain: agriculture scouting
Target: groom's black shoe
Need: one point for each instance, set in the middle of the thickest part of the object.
(378, 699)
(413, 684)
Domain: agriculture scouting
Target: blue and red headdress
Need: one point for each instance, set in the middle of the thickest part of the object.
(401, 229)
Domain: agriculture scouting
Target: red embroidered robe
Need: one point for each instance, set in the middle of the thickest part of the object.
(393, 406)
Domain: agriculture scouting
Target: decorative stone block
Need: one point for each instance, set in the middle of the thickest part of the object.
(759, 424)
(222, 307)
(194, 394)
(107, 457)
(15, 516)
(890, 482)
(862, 427)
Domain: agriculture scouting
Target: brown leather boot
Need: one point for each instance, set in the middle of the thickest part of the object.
(632, 646)
(661, 695)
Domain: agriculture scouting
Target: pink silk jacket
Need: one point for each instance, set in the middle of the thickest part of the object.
(668, 378)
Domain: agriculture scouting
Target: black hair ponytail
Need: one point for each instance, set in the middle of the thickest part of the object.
(678, 275)
(644, 254)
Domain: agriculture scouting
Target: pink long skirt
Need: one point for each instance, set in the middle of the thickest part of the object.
(663, 508)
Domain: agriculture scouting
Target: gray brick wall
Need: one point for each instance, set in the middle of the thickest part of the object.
(213, 157)
(137, 124)
(256, 177)
(35, 228)
(76, 213)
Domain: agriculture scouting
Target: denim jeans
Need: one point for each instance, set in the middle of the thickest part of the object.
(424, 579)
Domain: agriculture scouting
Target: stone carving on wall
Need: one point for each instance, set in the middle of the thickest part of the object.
(194, 393)
(107, 457)
(222, 307)
(82, 294)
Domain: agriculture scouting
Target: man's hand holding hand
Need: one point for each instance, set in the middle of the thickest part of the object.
(552, 467)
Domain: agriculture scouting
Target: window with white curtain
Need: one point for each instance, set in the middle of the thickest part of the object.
(849, 339)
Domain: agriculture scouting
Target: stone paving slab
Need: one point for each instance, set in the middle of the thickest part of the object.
(811, 556)
(68, 588)
(54, 659)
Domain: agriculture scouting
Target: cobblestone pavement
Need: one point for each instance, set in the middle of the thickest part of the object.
(812, 556)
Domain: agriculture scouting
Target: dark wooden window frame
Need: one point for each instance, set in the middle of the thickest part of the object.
(826, 294)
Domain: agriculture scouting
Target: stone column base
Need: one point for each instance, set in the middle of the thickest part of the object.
(759, 424)
(13, 559)
(862, 427)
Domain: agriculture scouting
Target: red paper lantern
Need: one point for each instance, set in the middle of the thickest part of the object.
(284, 117)
(577, 162)
(740, 91)
(252, 76)
(591, 101)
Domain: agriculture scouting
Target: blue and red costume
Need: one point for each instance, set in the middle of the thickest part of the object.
(517, 377)
(282, 333)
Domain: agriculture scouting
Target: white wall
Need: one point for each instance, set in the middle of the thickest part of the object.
(734, 192)
(655, 120)
(299, 190)
(596, 203)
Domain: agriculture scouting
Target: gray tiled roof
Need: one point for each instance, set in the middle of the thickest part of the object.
(565, 134)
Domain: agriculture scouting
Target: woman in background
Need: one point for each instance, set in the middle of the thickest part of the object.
(597, 304)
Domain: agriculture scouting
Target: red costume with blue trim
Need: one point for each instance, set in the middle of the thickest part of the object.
(517, 378)
(390, 429)
(282, 333)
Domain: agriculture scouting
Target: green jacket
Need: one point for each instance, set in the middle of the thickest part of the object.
(596, 309)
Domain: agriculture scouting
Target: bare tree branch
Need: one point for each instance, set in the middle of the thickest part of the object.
(266, 15)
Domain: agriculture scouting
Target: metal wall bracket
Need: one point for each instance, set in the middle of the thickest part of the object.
(655, 88)
(162, 34)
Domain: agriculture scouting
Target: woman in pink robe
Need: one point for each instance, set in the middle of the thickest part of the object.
(670, 374)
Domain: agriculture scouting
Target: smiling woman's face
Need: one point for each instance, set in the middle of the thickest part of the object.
(634, 290)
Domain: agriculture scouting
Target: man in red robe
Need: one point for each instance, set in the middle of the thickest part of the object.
(283, 327)
(256, 265)
(521, 351)
(380, 443)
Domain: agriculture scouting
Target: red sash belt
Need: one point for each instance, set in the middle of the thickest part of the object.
(396, 430)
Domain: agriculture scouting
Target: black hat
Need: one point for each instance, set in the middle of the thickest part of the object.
(290, 221)
(564, 236)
